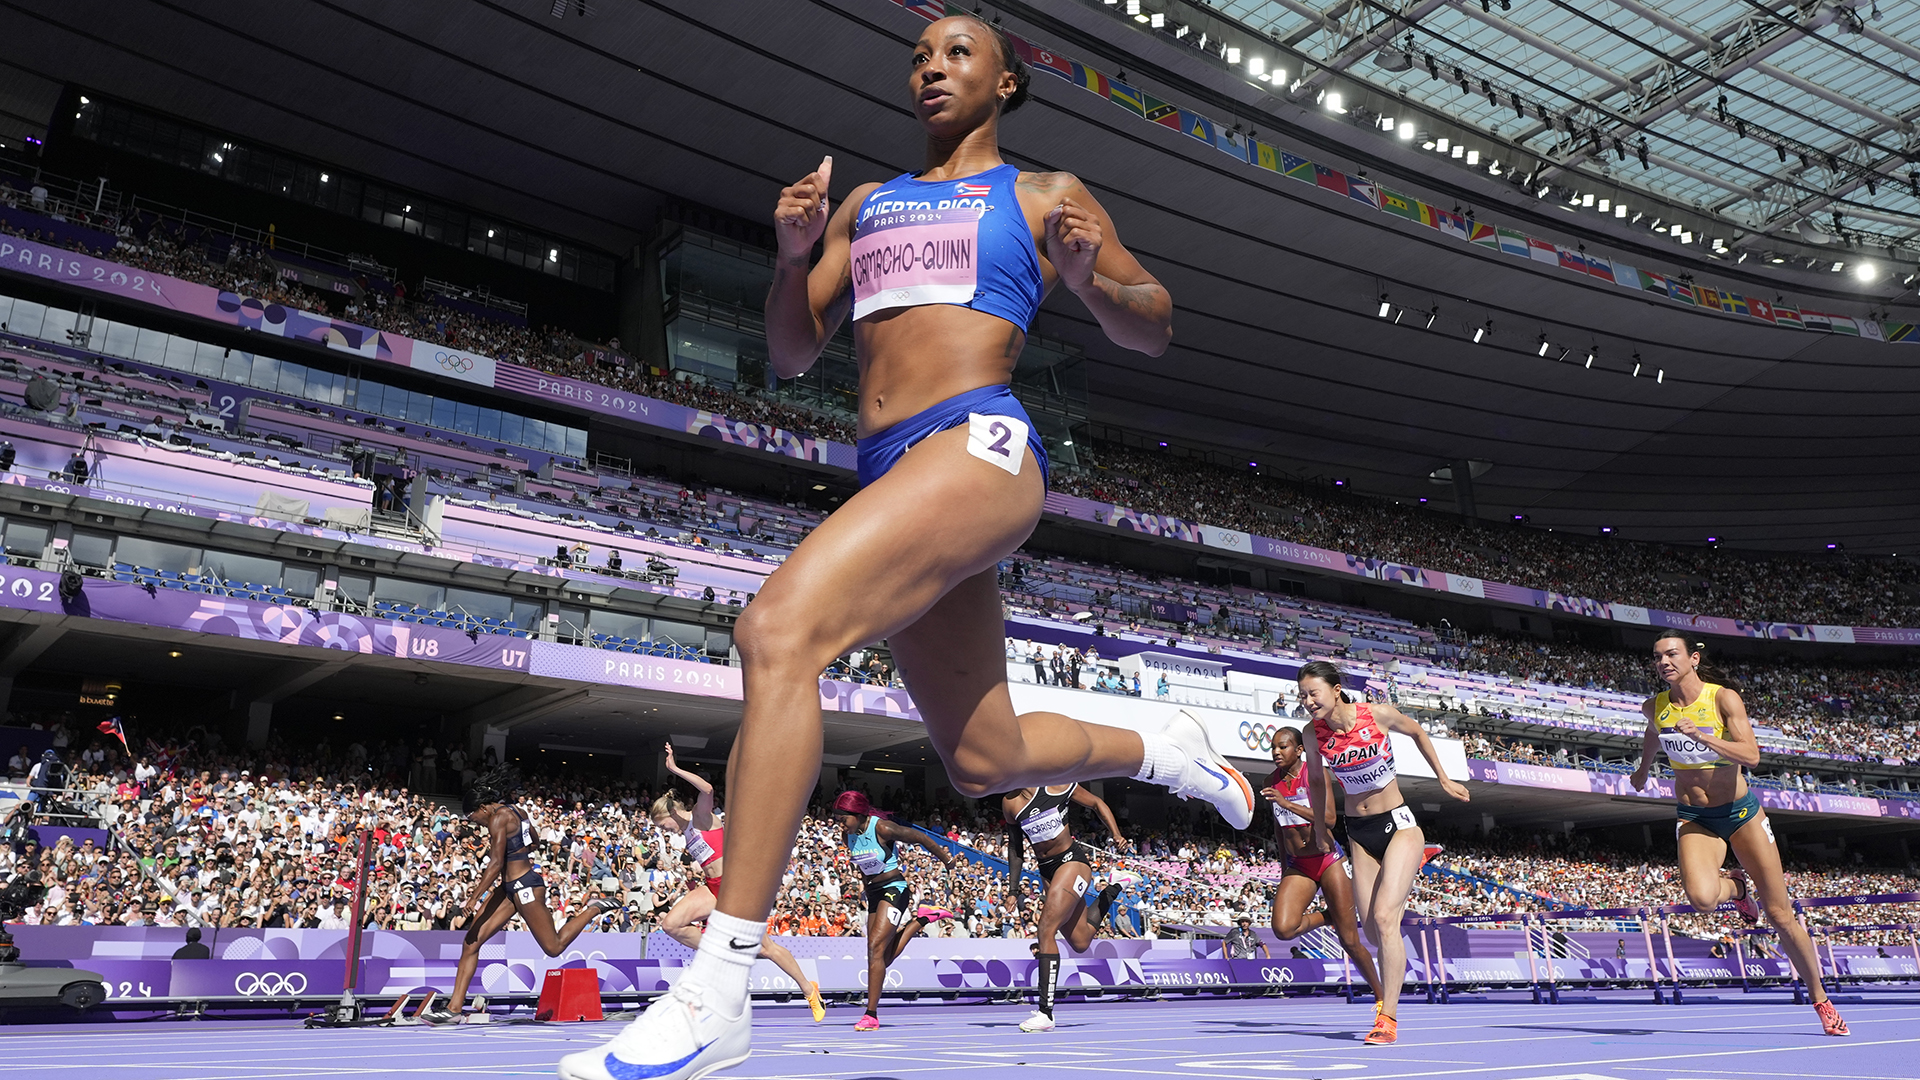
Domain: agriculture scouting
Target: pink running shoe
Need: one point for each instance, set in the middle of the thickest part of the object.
(1743, 897)
(931, 914)
(867, 1022)
(1830, 1022)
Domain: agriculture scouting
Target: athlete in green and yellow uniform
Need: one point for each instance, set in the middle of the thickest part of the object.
(1702, 727)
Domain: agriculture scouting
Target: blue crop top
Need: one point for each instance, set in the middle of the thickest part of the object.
(962, 242)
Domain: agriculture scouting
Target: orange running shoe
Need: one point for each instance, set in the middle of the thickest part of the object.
(1830, 1022)
(1386, 1030)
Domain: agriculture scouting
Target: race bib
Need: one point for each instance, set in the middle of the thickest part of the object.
(1766, 825)
(523, 895)
(894, 914)
(906, 255)
(1403, 817)
(998, 440)
(1080, 886)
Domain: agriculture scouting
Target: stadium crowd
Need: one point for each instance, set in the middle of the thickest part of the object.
(203, 835)
(1840, 590)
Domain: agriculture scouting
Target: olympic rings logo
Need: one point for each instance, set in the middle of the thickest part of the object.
(1276, 976)
(269, 984)
(454, 362)
(1257, 736)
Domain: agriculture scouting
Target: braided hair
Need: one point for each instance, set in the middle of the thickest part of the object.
(496, 785)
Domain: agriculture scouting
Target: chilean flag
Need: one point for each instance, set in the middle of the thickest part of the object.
(112, 727)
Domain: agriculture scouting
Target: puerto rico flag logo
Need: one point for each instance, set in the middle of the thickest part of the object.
(972, 191)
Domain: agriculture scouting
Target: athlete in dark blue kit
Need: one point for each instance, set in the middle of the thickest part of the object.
(942, 271)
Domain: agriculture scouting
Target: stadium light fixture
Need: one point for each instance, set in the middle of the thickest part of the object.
(1406, 130)
(1591, 353)
(1432, 315)
(553, 254)
(1606, 529)
(1386, 123)
(1233, 54)
(1619, 210)
(1543, 345)
(1334, 104)
(1385, 307)
(1865, 270)
(1605, 205)
(1133, 7)
(324, 178)
(1713, 539)
(1459, 151)
(1686, 236)
(1839, 266)
(1157, 21)
(1636, 369)
(1473, 157)
(1429, 145)
(1443, 144)
(1480, 332)
(1256, 65)
(1587, 199)
(1660, 376)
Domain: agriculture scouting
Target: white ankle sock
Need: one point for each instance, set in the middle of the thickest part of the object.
(726, 954)
(1162, 763)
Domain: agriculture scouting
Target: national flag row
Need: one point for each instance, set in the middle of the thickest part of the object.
(1370, 192)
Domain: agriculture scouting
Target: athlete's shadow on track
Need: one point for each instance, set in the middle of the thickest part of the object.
(1291, 1029)
(1582, 1030)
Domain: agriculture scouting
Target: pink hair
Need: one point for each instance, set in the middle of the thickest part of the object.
(855, 803)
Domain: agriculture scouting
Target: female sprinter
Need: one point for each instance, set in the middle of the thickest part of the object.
(1702, 726)
(522, 891)
(706, 843)
(1038, 816)
(942, 271)
(1310, 867)
(874, 843)
(1351, 739)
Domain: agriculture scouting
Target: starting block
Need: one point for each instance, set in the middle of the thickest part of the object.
(569, 994)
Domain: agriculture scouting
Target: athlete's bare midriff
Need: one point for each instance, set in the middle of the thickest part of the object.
(914, 358)
(1709, 787)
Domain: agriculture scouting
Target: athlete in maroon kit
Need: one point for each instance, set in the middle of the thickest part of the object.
(1311, 868)
(1351, 741)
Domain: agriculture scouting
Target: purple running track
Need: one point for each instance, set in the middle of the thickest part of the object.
(1612, 1037)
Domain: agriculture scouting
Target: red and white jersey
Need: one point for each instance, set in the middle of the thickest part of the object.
(705, 845)
(1294, 791)
(1362, 757)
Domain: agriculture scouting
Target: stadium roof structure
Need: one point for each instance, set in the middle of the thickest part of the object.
(1315, 332)
(1775, 119)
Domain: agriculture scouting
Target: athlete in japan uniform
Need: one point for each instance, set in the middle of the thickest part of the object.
(1310, 868)
(1701, 725)
(1351, 741)
(1038, 816)
(706, 845)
